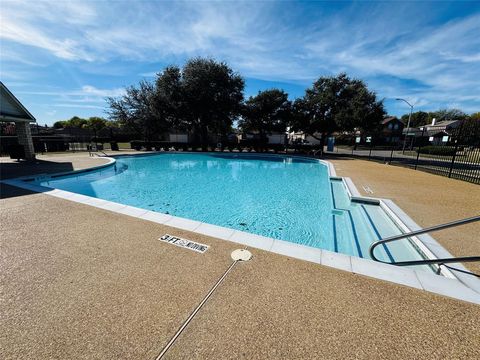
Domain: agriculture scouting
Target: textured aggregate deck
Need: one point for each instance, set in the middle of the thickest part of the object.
(84, 283)
(79, 282)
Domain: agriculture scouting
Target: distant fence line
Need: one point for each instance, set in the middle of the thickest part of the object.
(44, 144)
(457, 158)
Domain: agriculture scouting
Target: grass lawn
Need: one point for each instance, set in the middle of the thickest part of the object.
(121, 145)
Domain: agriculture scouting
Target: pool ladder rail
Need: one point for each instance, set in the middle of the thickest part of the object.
(96, 153)
(428, 261)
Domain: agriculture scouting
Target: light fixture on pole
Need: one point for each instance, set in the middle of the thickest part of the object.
(408, 123)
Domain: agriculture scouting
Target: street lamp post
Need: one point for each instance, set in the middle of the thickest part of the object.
(408, 123)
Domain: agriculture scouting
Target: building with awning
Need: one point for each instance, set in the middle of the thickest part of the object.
(12, 110)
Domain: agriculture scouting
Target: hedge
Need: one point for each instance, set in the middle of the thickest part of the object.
(437, 150)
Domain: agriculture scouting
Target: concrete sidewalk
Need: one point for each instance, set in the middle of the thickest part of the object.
(81, 282)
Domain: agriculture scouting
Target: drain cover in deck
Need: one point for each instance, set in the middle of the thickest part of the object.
(241, 255)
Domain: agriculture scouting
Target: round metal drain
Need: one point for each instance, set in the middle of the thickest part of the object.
(241, 255)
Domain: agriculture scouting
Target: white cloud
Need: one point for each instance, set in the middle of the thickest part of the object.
(78, 106)
(149, 74)
(443, 60)
(85, 101)
(397, 48)
(47, 25)
(86, 90)
(92, 90)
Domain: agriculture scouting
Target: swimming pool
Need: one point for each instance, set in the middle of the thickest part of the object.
(281, 197)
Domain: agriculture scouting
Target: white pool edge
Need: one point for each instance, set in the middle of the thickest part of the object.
(461, 287)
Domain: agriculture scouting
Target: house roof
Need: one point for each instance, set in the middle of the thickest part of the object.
(11, 108)
(388, 119)
(444, 123)
(418, 132)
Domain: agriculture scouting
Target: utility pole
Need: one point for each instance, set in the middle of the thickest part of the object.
(408, 124)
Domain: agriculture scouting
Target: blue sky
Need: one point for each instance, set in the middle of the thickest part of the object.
(62, 58)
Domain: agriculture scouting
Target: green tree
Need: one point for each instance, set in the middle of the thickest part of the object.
(475, 116)
(168, 100)
(134, 110)
(268, 111)
(337, 103)
(448, 114)
(75, 122)
(204, 96)
(59, 124)
(419, 118)
(300, 117)
(95, 124)
(470, 129)
(213, 94)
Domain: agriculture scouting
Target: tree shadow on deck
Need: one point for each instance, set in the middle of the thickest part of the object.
(14, 169)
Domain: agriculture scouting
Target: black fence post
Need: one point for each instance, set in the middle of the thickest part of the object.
(418, 150)
(418, 155)
(371, 147)
(453, 159)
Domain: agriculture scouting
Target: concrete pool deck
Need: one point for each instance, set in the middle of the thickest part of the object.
(105, 287)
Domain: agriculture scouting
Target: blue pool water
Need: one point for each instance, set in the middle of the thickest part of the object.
(286, 198)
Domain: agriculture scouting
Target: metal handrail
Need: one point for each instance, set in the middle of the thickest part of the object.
(423, 231)
(99, 151)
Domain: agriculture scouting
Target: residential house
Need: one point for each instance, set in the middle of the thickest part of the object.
(12, 111)
(392, 129)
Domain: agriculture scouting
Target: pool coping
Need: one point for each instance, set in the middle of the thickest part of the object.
(459, 286)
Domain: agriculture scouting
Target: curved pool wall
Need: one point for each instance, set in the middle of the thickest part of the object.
(282, 197)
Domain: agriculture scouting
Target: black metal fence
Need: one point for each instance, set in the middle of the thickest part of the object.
(454, 153)
(49, 144)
